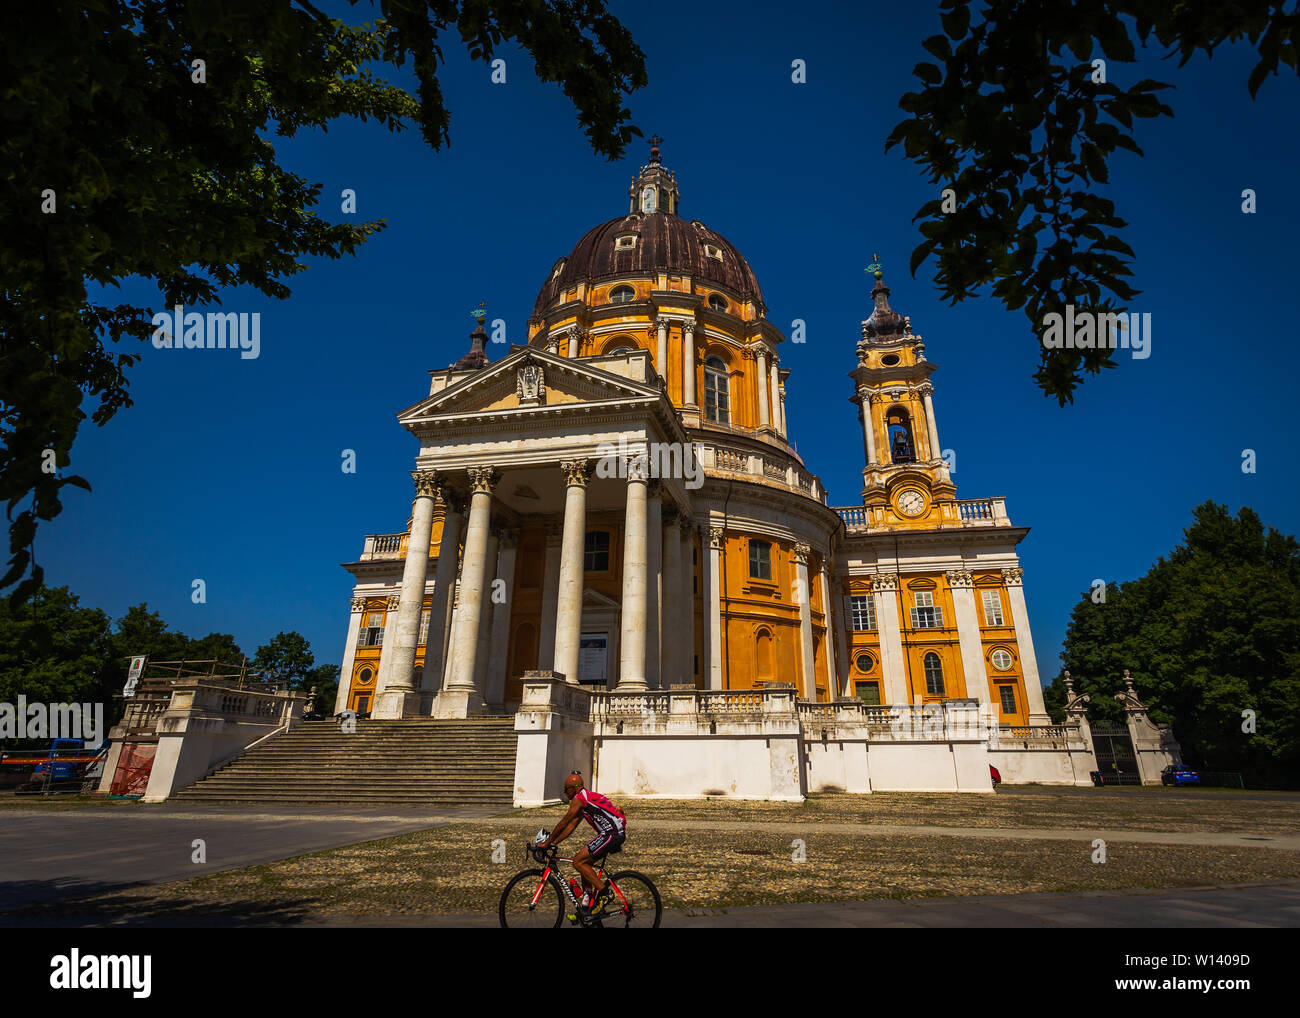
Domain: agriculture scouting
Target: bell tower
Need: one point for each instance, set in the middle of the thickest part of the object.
(905, 473)
(654, 189)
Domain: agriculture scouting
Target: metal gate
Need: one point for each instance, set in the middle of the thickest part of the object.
(1115, 757)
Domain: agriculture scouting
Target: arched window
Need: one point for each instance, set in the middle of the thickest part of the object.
(763, 654)
(902, 448)
(717, 391)
(718, 302)
(622, 348)
(621, 295)
(933, 674)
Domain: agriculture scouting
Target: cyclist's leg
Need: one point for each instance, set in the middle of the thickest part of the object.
(583, 860)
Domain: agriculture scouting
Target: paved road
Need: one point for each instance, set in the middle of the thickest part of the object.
(1254, 905)
(47, 856)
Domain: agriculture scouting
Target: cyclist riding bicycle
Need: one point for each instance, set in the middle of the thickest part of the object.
(610, 825)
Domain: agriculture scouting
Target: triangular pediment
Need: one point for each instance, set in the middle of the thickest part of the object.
(530, 379)
(595, 599)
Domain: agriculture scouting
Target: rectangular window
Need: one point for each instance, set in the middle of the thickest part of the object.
(372, 630)
(424, 628)
(1008, 699)
(868, 692)
(760, 560)
(862, 609)
(595, 557)
(925, 613)
(992, 608)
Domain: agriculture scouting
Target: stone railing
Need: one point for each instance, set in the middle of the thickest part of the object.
(971, 512)
(383, 546)
(754, 464)
(706, 706)
(620, 705)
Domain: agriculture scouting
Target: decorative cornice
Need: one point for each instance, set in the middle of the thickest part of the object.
(884, 582)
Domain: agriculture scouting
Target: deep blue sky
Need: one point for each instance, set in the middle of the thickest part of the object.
(229, 470)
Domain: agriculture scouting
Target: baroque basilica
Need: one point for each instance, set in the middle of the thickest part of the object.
(619, 502)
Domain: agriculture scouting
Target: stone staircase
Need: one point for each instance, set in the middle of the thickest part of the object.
(419, 762)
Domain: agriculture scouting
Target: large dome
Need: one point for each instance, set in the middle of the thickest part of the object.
(664, 242)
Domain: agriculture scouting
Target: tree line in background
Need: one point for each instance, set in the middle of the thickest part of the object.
(53, 650)
(1211, 634)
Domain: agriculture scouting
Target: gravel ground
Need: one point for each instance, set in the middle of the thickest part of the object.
(451, 870)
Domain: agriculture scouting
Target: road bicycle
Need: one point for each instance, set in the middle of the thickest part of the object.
(537, 897)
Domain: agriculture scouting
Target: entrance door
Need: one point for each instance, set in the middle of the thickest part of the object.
(593, 656)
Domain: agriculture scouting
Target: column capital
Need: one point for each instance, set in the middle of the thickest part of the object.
(576, 472)
(925, 389)
(959, 578)
(884, 582)
(654, 487)
(865, 395)
(1013, 577)
(638, 468)
(483, 480)
(662, 321)
(801, 553)
(685, 523)
(671, 514)
(427, 482)
(688, 328)
(715, 537)
(393, 601)
(358, 604)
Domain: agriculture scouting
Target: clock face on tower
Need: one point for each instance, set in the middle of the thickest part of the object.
(648, 200)
(910, 502)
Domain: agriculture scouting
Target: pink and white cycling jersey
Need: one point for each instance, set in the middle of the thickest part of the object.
(602, 814)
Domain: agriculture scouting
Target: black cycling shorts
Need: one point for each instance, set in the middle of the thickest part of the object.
(604, 842)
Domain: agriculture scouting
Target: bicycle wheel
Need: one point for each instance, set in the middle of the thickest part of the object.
(517, 910)
(635, 903)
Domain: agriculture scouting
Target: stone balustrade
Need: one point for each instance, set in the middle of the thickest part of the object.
(384, 546)
(970, 512)
(774, 470)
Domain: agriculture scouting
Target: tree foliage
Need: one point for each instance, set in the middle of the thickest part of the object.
(1012, 117)
(160, 177)
(1209, 632)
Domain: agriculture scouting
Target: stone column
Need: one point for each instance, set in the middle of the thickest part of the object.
(968, 637)
(868, 427)
(776, 394)
(458, 697)
(501, 612)
(884, 588)
(457, 503)
(396, 695)
(444, 583)
(349, 654)
(931, 429)
(670, 600)
(661, 361)
(845, 618)
(632, 631)
(654, 570)
(803, 594)
(568, 610)
(688, 364)
(575, 337)
(714, 615)
(1014, 580)
(781, 386)
(760, 355)
(686, 596)
(550, 596)
(832, 674)
(485, 616)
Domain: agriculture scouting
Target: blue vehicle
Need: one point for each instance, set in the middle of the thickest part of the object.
(1179, 775)
(66, 761)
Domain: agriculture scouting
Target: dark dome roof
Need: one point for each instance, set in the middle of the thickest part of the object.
(664, 242)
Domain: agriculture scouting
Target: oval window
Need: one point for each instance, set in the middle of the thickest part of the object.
(864, 662)
(889, 360)
(1001, 660)
(365, 676)
(621, 295)
(718, 302)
